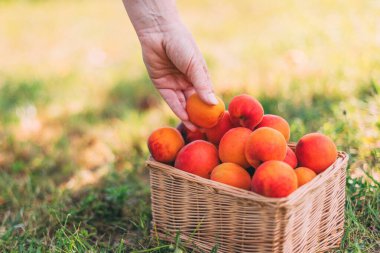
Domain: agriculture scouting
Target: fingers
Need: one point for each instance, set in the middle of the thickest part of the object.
(171, 98)
(186, 57)
(199, 77)
(181, 98)
(190, 126)
(177, 102)
(189, 91)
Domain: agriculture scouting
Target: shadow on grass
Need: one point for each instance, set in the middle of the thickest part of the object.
(112, 215)
(19, 94)
(126, 95)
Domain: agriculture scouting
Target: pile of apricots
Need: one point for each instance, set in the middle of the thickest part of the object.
(242, 147)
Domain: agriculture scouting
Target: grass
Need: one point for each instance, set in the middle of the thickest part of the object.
(76, 108)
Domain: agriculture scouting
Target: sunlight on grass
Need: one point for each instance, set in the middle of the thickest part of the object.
(76, 107)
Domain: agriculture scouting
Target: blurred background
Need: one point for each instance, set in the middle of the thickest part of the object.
(76, 106)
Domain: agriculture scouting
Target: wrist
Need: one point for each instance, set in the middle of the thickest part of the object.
(152, 16)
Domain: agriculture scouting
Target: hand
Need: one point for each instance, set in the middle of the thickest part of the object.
(173, 60)
(177, 69)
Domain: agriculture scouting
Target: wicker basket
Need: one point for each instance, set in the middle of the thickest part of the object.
(209, 215)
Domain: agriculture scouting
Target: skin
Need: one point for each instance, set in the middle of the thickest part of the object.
(274, 179)
(231, 174)
(173, 61)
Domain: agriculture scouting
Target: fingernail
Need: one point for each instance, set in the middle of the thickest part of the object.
(212, 99)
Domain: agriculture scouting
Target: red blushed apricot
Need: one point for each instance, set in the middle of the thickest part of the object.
(304, 175)
(232, 144)
(231, 174)
(276, 122)
(316, 152)
(164, 144)
(216, 133)
(265, 144)
(198, 157)
(290, 158)
(190, 136)
(274, 179)
(202, 114)
(245, 111)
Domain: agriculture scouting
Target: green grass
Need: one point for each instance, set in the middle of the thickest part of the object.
(76, 108)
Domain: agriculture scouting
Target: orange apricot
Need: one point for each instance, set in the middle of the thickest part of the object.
(202, 114)
(231, 174)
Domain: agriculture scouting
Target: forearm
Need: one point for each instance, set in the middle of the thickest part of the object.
(151, 16)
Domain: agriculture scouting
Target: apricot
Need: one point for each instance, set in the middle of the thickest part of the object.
(265, 144)
(304, 175)
(198, 157)
(274, 179)
(202, 114)
(245, 111)
(276, 122)
(164, 144)
(290, 158)
(231, 174)
(232, 144)
(316, 152)
(216, 133)
(190, 136)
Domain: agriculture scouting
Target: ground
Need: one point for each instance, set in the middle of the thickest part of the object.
(76, 108)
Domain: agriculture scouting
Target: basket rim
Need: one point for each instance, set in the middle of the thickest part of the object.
(221, 188)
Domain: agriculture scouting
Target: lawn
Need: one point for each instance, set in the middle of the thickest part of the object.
(76, 108)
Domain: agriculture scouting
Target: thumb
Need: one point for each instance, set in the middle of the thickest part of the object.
(198, 75)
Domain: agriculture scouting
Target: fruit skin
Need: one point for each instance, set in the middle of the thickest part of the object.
(190, 136)
(276, 122)
(304, 175)
(290, 158)
(265, 144)
(202, 114)
(164, 144)
(274, 179)
(245, 111)
(216, 133)
(316, 152)
(232, 144)
(231, 174)
(198, 157)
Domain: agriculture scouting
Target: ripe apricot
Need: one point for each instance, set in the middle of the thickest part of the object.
(276, 122)
(304, 175)
(190, 136)
(202, 114)
(164, 144)
(316, 152)
(231, 174)
(274, 179)
(245, 111)
(290, 158)
(265, 144)
(198, 157)
(216, 133)
(232, 144)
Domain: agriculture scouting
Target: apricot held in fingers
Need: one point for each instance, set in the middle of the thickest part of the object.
(202, 114)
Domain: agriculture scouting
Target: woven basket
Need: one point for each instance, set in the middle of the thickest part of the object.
(210, 215)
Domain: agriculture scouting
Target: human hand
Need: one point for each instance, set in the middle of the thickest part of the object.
(173, 60)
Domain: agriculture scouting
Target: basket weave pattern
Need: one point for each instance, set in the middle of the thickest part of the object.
(209, 214)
